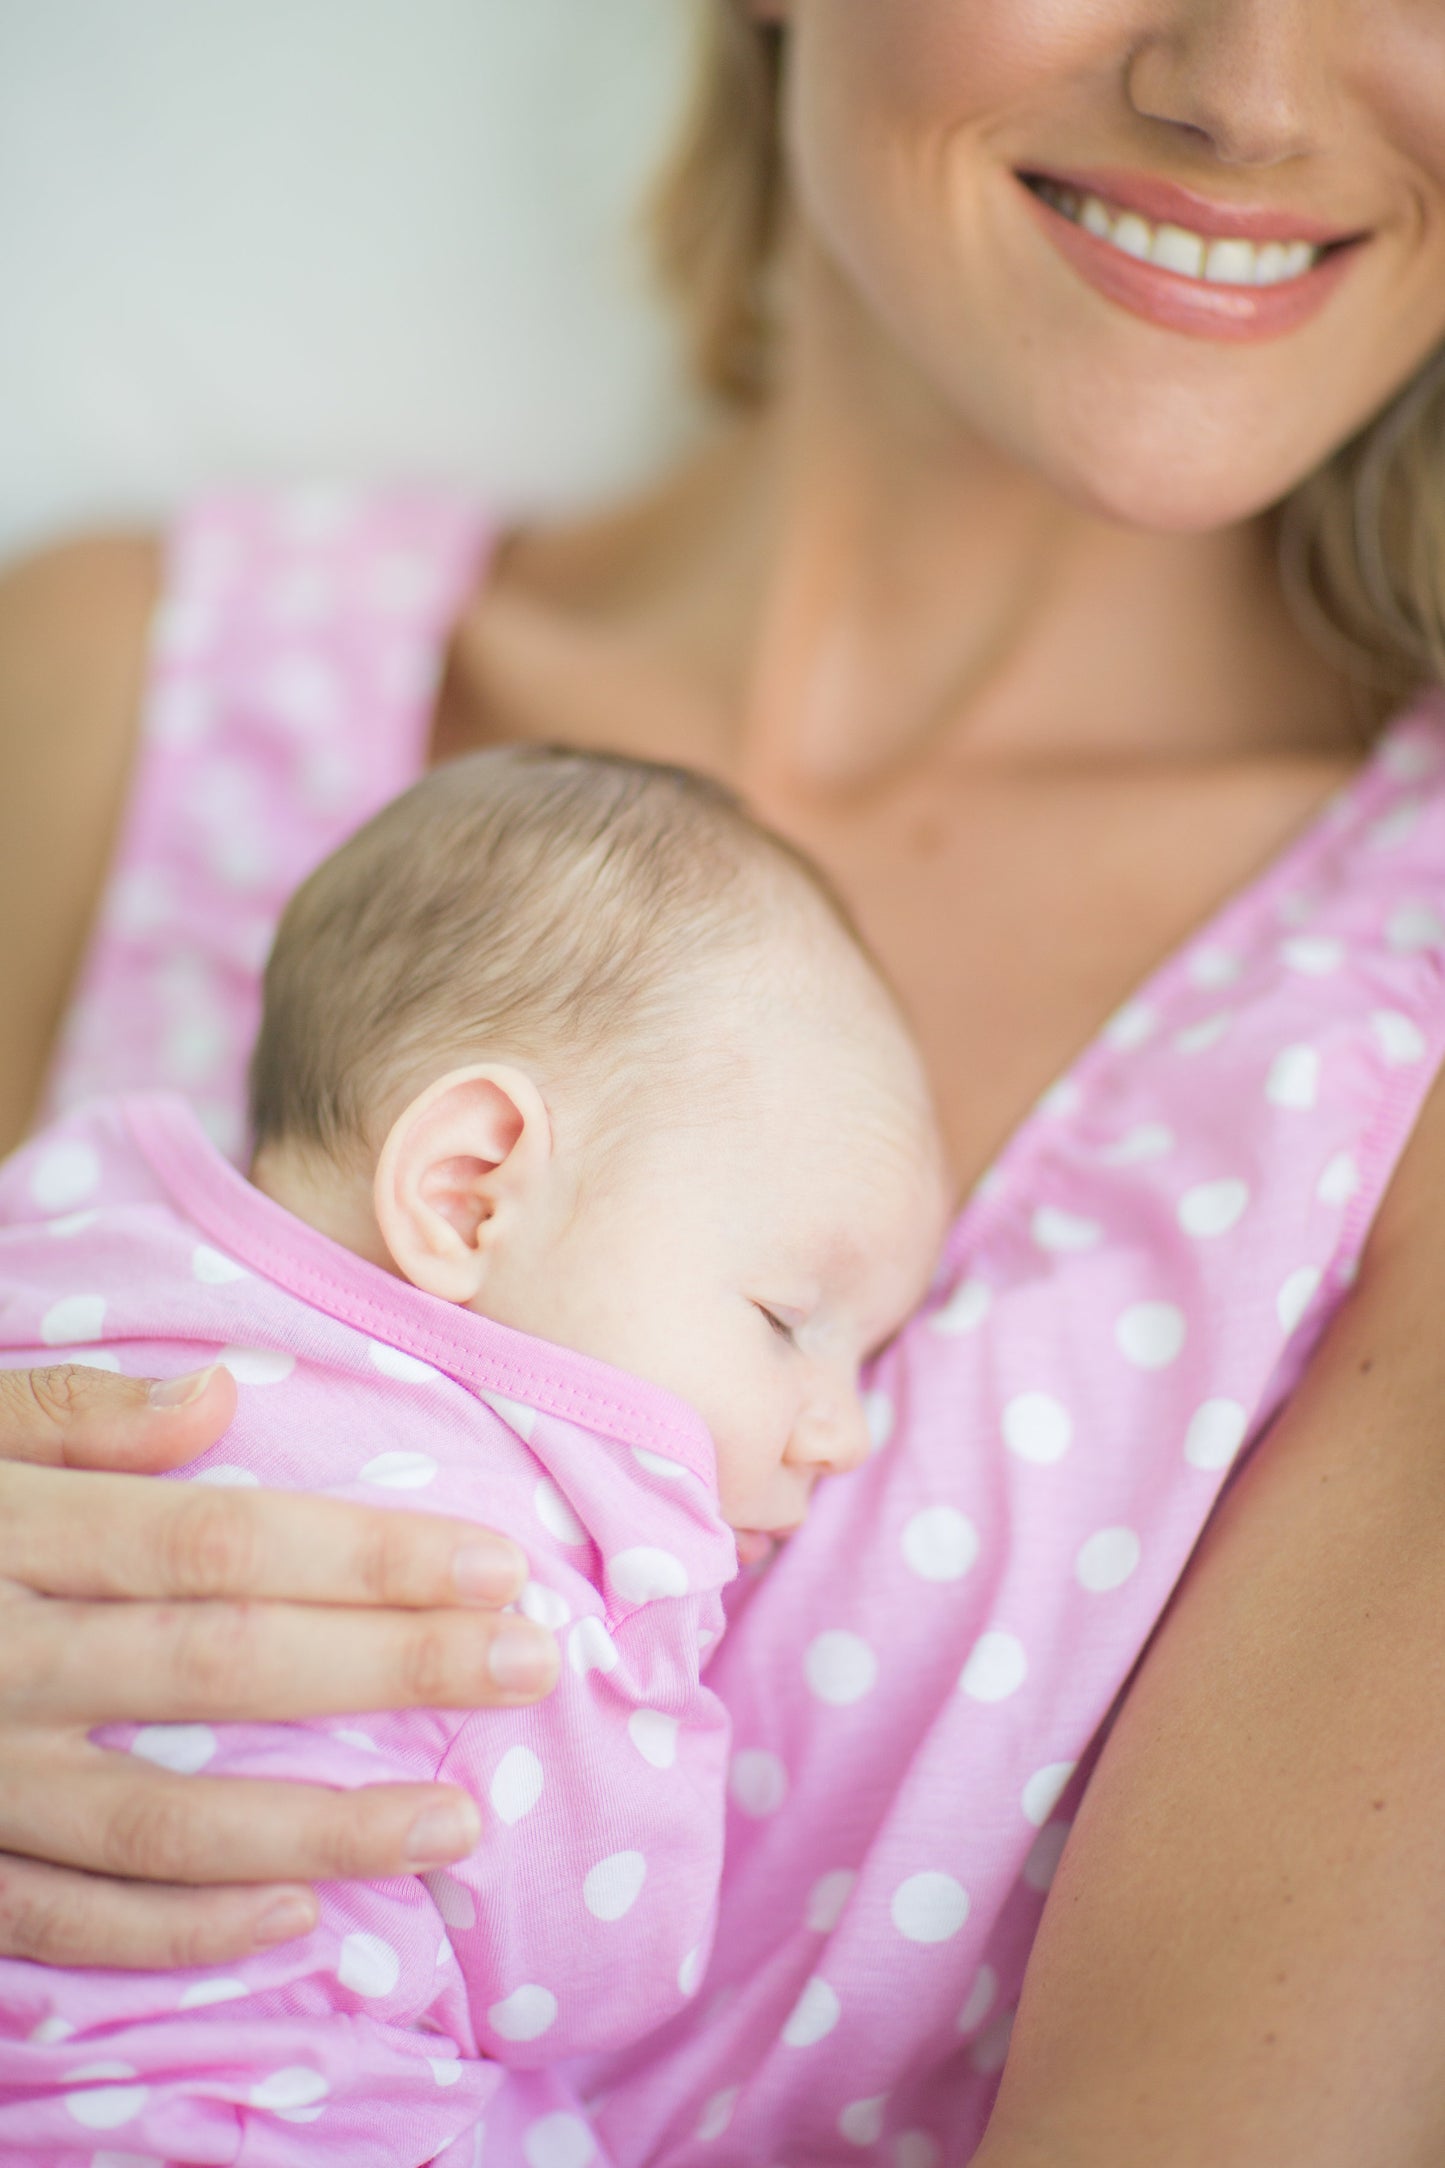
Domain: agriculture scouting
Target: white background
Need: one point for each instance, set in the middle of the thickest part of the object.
(269, 239)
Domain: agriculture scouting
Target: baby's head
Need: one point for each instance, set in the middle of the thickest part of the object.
(571, 1040)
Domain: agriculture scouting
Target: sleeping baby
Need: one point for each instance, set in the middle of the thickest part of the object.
(592, 1161)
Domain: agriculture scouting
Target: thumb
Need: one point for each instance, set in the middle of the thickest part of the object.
(70, 1417)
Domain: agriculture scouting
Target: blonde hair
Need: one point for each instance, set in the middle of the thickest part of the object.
(1362, 540)
(531, 904)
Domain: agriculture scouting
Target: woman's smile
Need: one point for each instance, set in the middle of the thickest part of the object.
(1214, 270)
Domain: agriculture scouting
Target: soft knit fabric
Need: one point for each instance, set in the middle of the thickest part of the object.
(916, 1683)
(585, 1917)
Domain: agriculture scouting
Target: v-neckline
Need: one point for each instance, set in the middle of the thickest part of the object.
(1231, 926)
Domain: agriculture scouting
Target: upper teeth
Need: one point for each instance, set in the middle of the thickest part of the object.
(1174, 248)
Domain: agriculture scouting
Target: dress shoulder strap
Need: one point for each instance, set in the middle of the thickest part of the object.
(293, 668)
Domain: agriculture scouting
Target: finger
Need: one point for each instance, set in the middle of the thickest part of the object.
(69, 1416)
(119, 1536)
(65, 1664)
(115, 1816)
(58, 1917)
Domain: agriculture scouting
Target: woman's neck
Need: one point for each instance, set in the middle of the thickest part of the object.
(883, 587)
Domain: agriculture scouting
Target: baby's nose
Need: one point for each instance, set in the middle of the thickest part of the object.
(833, 1436)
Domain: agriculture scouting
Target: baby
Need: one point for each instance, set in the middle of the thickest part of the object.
(592, 1161)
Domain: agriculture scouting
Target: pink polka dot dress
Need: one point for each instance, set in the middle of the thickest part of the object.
(916, 1684)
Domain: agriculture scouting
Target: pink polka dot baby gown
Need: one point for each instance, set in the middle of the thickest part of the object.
(916, 1683)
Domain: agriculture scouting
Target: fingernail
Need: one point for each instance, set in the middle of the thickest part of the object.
(488, 1571)
(442, 1834)
(522, 1658)
(179, 1393)
(285, 1920)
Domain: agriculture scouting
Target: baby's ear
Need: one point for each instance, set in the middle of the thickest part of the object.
(460, 1166)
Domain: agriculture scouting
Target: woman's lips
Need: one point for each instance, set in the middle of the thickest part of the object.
(1244, 274)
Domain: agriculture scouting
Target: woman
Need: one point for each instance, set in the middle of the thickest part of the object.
(1078, 525)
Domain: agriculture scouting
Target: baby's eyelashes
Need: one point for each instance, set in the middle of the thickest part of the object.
(778, 1319)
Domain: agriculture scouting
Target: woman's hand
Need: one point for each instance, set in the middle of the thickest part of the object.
(127, 1600)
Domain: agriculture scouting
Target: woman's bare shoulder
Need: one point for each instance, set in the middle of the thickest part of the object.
(74, 621)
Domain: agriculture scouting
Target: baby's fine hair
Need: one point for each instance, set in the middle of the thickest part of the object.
(531, 904)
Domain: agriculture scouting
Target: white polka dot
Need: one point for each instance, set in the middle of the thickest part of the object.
(666, 1471)
(73, 1319)
(453, 1900)
(1037, 1427)
(1212, 1208)
(446, 1955)
(813, 2016)
(1314, 956)
(516, 1784)
(1060, 1100)
(361, 1740)
(996, 1667)
(929, 1907)
(525, 2014)
(840, 1668)
(613, 1886)
(1409, 758)
(193, 1046)
(915, 2149)
(717, 2114)
(645, 1572)
(394, 1362)
(1296, 1295)
(368, 1965)
(258, 1365)
(654, 1735)
(201, 1993)
(51, 2031)
(590, 1647)
(990, 2050)
(181, 1748)
(1394, 829)
(445, 2071)
(515, 1414)
(555, 1514)
(213, 1268)
(940, 1544)
(1043, 1791)
(180, 713)
(1339, 1181)
(99, 1358)
(1415, 926)
(1401, 1042)
(878, 1413)
(980, 1999)
(74, 1223)
(544, 1606)
(861, 2122)
(291, 2093)
(1045, 1853)
(1294, 1078)
(689, 1973)
(1107, 1560)
(1215, 1434)
(1214, 967)
(1151, 1334)
(400, 1471)
(1054, 1229)
(827, 1897)
(1151, 1140)
(1130, 1026)
(558, 2141)
(758, 1782)
(1199, 1038)
(63, 1174)
(965, 1309)
(105, 2107)
(226, 1476)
